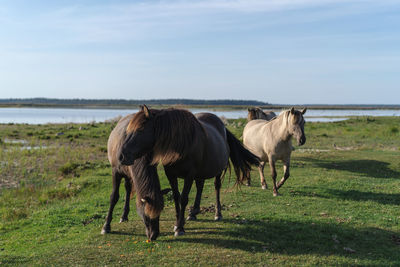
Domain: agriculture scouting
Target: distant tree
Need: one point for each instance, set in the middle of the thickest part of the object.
(55, 101)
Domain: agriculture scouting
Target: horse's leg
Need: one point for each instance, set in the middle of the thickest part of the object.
(217, 185)
(128, 189)
(262, 178)
(248, 182)
(173, 182)
(196, 206)
(286, 173)
(113, 200)
(184, 200)
(273, 175)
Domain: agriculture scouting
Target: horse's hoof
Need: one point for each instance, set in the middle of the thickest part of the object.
(218, 218)
(179, 233)
(264, 187)
(191, 218)
(247, 184)
(276, 194)
(105, 231)
(123, 220)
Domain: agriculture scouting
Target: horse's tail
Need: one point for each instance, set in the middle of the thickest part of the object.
(241, 158)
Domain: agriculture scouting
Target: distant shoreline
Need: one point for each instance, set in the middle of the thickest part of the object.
(216, 107)
(220, 104)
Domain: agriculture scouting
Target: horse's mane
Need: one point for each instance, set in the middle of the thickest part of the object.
(176, 130)
(285, 115)
(147, 185)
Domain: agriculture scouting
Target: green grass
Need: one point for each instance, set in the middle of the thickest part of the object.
(339, 207)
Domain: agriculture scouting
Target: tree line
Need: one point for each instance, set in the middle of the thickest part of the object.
(129, 102)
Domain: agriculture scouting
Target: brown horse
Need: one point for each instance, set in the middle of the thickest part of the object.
(258, 113)
(144, 178)
(191, 147)
(272, 141)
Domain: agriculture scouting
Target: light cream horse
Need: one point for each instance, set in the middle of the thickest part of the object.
(272, 141)
(258, 113)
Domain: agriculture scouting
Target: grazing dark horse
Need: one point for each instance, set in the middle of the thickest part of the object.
(259, 114)
(191, 147)
(272, 141)
(142, 176)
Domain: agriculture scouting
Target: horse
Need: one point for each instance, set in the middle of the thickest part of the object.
(142, 176)
(258, 113)
(272, 141)
(192, 147)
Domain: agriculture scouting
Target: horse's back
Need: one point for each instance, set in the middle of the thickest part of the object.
(211, 119)
(254, 124)
(269, 115)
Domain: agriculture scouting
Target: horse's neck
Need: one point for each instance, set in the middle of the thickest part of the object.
(280, 128)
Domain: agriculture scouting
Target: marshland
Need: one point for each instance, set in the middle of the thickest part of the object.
(339, 206)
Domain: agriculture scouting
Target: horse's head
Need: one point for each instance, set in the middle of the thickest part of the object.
(296, 125)
(139, 138)
(254, 114)
(149, 209)
(251, 114)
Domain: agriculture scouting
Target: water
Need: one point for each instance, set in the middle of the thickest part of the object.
(63, 115)
(59, 115)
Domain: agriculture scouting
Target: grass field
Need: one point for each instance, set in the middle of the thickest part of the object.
(339, 207)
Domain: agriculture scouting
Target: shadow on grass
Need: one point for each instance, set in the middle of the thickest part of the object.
(298, 238)
(365, 167)
(355, 195)
(391, 199)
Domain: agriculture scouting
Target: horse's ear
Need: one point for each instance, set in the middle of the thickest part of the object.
(165, 191)
(304, 111)
(292, 110)
(146, 111)
(248, 109)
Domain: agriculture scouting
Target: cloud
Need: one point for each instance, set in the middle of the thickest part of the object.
(148, 20)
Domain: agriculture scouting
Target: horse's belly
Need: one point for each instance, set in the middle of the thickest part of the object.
(211, 170)
(214, 162)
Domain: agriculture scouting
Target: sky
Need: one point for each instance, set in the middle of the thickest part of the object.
(277, 51)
